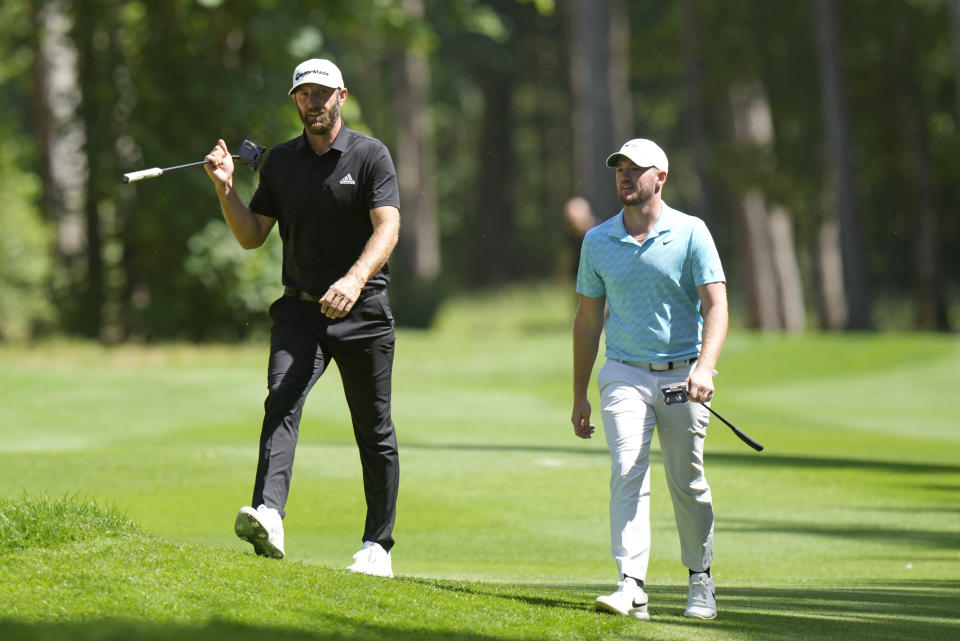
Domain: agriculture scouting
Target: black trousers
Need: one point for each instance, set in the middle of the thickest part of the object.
(303, 342)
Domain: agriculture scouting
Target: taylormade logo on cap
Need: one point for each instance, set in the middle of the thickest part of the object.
(642, 153)
(317, 71)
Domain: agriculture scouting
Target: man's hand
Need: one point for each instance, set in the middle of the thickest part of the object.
(341, 297)
(581, 418)
(219, 165)
(700, 384)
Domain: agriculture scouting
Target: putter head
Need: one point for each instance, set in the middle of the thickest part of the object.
(250, 154)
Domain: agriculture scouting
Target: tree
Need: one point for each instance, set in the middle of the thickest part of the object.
(773, 277)
(418, 251)
(592, 132)
(929, 303)
(693, 114)
(838, 160)
(61, 163)
(955, 38)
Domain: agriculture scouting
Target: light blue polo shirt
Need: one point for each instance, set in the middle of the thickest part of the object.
(651, 287)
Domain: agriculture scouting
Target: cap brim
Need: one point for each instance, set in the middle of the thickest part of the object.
(309, 82)
(612, 159)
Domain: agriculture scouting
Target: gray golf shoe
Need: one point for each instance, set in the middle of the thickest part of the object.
(702, 602)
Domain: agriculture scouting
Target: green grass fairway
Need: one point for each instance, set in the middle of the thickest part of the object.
(121, 471)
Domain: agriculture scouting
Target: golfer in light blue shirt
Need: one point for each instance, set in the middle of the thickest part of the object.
(657, 274)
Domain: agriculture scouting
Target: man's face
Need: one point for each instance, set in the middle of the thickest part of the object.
(318, 106)
(636, 185)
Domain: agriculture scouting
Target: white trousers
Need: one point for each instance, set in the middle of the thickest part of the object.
(632, 407)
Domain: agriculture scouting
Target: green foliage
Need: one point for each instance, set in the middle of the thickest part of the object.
(161, 81)
(236, 285)
(27, 240)
(24, 256)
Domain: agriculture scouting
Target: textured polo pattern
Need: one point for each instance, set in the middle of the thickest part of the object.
(650, 287)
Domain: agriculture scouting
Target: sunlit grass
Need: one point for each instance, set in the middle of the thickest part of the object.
(122, 468)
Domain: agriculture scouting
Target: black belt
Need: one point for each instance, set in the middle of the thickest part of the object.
(310, 298)
(661, 367)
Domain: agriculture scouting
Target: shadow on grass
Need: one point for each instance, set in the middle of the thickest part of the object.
(115, 630)
(941, 540)
(879, 612)
(926, 611)
(773, 460)
(753, 459)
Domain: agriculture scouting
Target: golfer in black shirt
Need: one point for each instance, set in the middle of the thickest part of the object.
(334, 193)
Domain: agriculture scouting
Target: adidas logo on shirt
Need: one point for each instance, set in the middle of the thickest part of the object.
(348, 180)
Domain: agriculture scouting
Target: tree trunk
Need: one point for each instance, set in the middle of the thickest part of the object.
(63, 165)
(59, 132)
(592, 130)
(842, 177)
(96, 120)
(495, 257)
(762, 284)
(930, 307)
(773, 280)
(793, 312)
(40, 70)
(419, 247)
(832, 299)
(621, 104)
(694, 116)
(955, 31)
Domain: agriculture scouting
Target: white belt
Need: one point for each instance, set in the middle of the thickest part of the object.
(665, 366)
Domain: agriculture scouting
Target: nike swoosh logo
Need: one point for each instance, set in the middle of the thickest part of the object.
(668, 240)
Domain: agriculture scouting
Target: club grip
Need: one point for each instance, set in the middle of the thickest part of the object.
(143, 174)
(746, 439)
(740, 434)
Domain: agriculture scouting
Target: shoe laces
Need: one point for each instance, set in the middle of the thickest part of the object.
(271, 519)
(700, 579)
(626, 585)
(629, 587)
(700, 588)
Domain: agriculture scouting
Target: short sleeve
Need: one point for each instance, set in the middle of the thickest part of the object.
(706, 260)
(383, 188)
(264, 200)
(589, 282)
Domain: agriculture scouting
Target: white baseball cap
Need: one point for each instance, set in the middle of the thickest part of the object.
(318, 71)
(642, 153)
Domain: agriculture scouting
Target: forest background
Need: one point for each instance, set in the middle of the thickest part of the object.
(817, 138)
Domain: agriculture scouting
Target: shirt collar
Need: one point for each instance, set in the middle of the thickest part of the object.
(339, 143)
(619, 231)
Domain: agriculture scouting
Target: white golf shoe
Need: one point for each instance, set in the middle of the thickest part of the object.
(701, 603)
(372, 559)
(629, 600)
(263, 528)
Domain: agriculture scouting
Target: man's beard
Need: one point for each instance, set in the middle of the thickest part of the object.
(634, 198)
(323, 122)
(639, 196)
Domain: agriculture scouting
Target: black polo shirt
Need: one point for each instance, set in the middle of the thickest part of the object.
(322, 205)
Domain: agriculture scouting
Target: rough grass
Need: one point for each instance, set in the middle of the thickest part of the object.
(32, 522)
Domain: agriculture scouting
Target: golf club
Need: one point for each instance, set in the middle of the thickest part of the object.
(678, 394)
(741, 435)
(250, 153)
